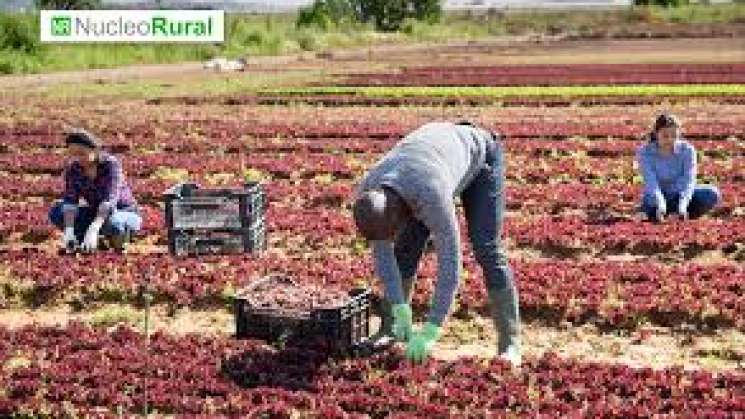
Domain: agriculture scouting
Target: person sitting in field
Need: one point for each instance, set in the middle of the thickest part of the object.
(407, 197)
(98, 178)
(668, 166)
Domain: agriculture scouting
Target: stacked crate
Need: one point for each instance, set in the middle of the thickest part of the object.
(215, 221)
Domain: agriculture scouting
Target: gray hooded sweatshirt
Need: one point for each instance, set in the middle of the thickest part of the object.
(428, 169)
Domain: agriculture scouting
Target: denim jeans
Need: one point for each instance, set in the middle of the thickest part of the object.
(704, 199)
(119, 222)
(483, 201)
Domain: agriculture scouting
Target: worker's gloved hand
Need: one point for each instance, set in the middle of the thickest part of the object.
(421, 343)
(68, 238)
(90, 242)
(401, 322)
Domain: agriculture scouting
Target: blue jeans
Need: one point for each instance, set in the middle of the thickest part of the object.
(118, 223)
(483, 201)
(704, 199)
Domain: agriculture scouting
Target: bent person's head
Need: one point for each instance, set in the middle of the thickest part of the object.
(82, 146)
(666, 129)
(380, 213)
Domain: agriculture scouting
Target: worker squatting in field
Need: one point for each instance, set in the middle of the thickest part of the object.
(668, 164)
(97, 178)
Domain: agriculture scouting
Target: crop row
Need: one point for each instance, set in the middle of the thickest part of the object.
(612, 147)
(446, 79)
(133, 118)
(319, 226)
(229, 146)
(552, 75)
(566, 234)
(520, 168)
(346, 100)
(702, 90)
(236, 136)
(609, 197)
(620, 234)
(553, 70)
(604, 198)
(533, 142)
(78, 371)
(279, 165)
(308, 193)
(599, 230)
(586, 169)
(609, 293)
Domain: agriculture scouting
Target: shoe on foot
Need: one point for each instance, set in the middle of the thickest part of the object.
(506, 315)
(119, 242)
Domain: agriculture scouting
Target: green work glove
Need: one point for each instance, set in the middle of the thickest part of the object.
(401, 321)
(421, 343)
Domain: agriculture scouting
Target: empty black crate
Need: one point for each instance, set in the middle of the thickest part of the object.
(342, 329)
(208, 221)
(190, 207)
(249, 240)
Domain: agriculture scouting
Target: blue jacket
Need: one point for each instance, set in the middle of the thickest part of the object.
(668, 176)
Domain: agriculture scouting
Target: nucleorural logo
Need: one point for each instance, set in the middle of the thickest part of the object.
(132, 26)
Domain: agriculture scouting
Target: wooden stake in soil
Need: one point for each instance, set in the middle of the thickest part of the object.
(147, 297)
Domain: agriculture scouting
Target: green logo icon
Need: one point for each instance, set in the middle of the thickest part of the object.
(61, 26)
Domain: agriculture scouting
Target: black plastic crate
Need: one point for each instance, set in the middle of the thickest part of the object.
(343, 330)
(215, 221)
(193, 243)
(190, 207)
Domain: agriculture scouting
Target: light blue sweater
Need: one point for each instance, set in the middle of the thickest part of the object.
(666, 176)
(428, 169)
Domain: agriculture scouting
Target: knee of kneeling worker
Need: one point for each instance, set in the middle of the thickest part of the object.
(121, 222)
(715, 196)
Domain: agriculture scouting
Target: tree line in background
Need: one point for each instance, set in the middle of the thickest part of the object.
(386, 15)
(665, 3)
(67, 4)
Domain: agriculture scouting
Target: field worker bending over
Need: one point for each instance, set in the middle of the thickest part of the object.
(407, 196)
(97, 178)
(668, 165)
